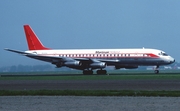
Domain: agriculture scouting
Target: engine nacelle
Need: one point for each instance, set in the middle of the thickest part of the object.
(97, 65)
(73, 63)
(126, 67)
(58, 65)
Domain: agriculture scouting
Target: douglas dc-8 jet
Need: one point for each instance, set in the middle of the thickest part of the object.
(88, 60)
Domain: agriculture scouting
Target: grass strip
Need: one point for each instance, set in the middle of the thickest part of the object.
(90, 93)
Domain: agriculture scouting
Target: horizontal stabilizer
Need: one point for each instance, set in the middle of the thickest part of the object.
(16, 51)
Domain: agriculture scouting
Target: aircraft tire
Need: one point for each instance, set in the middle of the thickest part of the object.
(156, 71)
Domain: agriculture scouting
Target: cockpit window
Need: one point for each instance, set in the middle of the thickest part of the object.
(164, 54)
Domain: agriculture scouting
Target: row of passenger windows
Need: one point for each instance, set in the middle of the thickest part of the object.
(103, 55)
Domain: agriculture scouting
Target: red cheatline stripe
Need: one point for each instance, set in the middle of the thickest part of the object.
(153, 55)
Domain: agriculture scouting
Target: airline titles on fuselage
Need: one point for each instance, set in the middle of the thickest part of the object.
(102, 52)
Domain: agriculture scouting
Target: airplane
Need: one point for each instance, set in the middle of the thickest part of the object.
(88, 60)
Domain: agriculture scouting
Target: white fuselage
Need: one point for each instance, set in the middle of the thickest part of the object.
(123, 56)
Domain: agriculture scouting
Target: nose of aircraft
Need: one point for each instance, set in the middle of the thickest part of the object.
(172, 60)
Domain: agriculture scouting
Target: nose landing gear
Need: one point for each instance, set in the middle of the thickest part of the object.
(156, 71)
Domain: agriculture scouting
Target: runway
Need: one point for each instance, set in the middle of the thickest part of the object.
(88, 103)
(138, 84)
(81, 103)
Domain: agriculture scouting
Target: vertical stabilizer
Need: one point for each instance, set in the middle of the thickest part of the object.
(33, 42)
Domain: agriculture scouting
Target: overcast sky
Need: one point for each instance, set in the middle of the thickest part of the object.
(63, 24)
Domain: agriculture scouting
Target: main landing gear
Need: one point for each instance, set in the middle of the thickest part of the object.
(156, 71)
(90, 72)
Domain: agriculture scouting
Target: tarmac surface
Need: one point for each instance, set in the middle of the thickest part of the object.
(89, 103)
(90, 85)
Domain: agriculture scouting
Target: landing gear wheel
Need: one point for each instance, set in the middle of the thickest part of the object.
(156, 71)
(101, 72)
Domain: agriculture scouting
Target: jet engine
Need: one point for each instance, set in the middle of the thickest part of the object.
(72, 63)
(58, 65)
(97, 65)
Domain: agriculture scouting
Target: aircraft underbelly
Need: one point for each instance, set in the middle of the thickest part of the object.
(141, 61)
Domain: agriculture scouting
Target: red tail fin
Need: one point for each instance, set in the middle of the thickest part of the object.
(33, 42)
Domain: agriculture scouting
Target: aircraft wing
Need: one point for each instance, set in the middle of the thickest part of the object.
(97, 60)
(57, 59)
